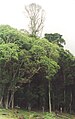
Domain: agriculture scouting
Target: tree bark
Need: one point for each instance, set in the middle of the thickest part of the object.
(71, 102)
(53, 102)
(49, 98)
(64, 101)
(1, 100)
(11, 102)
(29, 103)
(6, 100)
(64, 92)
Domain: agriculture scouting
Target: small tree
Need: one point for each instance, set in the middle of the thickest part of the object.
(36, 16)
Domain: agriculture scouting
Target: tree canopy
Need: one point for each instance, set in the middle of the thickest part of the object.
(23, 57)
(35, 73)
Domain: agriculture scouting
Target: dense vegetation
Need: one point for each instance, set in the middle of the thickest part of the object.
(35, 73)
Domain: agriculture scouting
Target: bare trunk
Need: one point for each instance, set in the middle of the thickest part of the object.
(43, 105)
(1, 101)
(64, 101)
(64, 93)
(6, 100)
(53, 103)
(29, 107)
(11, 102)
(29, 102)
(49, 98)
(71, 102)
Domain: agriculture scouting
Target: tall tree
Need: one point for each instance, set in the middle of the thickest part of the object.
(36, 16)
(47, 54)
(66, 61)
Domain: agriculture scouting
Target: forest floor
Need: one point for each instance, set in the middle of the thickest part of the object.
(19, 114)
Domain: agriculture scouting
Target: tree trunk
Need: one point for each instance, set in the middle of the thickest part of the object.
(64, 101)
(49, 98)
(29, 100)
(1, 101)
(29, 107)
(53, 103)
(11, 102)
(64, 93)
(43, 105)
(6, 100)
(71, 102)
(2, 92)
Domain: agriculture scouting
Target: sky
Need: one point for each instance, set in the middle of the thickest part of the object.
(60, 17)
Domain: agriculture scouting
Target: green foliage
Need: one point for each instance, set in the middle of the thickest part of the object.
(24, 57)
(52, 50)
(55, 38)
(11, 114)
(37, 52)
(59, 116)
(66, 62)
(30, 60)
(50, 116)
(11, 35)
(50, 65)
(8, 51)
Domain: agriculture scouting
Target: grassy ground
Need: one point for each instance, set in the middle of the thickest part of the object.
(15, 114)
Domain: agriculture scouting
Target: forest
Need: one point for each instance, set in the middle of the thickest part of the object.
(35, 73)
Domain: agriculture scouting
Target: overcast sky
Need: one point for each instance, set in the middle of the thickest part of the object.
(60, 17)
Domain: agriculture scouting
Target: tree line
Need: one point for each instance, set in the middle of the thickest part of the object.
(35, 73)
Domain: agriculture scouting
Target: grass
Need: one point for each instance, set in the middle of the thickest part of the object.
(15, 114)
